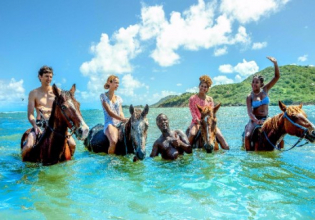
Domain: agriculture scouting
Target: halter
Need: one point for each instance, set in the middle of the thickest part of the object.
(68, 119)
(207, 129)
(300, 139)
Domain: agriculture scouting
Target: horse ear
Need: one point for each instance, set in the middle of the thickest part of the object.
(282, 106)
(216, 108)
(199, 108)
(301, 105)
(72, 90)
(131, 109)
(145, 111)
(56, 90)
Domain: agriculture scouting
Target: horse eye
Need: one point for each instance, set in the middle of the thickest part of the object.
(63, 107)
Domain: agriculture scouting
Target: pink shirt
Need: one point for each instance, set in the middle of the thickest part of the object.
(193, 101)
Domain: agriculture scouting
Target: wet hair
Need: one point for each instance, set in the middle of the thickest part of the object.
(45, 69)
(260, 78)
(157, 117)
(109, 80)
(205, 79)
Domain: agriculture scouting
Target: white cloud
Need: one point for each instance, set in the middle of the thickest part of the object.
(194, 29)
(246, 11)
(238, 78)
(12, 91)
(303, 58)
(179, 84)
(129, 84)
(193, 90)
(259, 45)
(221, 80)
(246, 68)
(220, 51)
(226, 68)
(114, 58)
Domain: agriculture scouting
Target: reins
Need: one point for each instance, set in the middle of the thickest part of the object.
(298, 141)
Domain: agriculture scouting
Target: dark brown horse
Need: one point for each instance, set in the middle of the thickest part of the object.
(132, 136)
(292, 121)
(206, 136)
(51, 147)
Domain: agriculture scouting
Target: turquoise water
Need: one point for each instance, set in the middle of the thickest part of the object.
(225, 185)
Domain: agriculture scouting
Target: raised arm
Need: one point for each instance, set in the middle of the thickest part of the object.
(273, 81)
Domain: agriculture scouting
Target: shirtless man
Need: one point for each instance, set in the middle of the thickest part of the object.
(41, 99)
(171, 143)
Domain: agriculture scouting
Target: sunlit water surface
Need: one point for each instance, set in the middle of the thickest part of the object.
(225, 185)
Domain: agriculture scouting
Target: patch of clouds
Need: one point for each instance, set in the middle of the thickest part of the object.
(246, 68)
(179, 84)
(12, 91)
(218, 80)
(303, 58)
(220, 51)
(238, 78)
(226, 68)
(245, 11)
(129, 85)
(204, 25)
(193, 90)
(259, 45)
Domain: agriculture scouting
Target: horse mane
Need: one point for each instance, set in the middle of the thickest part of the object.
(272, 123)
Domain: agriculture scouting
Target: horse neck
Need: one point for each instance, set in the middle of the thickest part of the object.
(276, 132)
(57, 138)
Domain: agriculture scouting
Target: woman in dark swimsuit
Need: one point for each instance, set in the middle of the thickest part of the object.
(257, 102)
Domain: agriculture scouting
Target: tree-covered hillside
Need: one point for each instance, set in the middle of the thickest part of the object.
(296, 85)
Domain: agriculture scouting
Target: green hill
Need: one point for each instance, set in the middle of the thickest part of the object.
(296, 85)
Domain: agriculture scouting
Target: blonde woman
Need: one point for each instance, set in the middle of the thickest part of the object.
(202, 99)
(113, 114)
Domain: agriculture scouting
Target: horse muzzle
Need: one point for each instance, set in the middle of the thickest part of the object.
(82, 132)
(140, 154)
(310, 136)
(208, 147)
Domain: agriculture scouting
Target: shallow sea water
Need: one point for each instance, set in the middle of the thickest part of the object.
(224, 185)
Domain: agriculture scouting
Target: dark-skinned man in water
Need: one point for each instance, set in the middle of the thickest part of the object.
(171, 143)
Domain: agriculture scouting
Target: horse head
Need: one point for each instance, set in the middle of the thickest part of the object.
(67, 112)
(138, 130)
(296, 122)
(208, 122)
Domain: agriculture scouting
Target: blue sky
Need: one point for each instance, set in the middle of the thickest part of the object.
(156, 48)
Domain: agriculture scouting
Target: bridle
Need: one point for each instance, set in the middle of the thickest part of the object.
(205, 119)
(72, 130)
(285, 115)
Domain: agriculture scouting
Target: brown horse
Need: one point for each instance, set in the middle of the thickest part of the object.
(206, 136)
(132, 135)
(292, 121)
(50, 148)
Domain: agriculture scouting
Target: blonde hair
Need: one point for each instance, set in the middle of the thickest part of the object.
(109, 80)
(205, 79)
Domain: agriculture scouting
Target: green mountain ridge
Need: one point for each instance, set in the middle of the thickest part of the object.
(296, 85)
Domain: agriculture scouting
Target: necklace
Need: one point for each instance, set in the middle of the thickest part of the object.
(256, 94)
